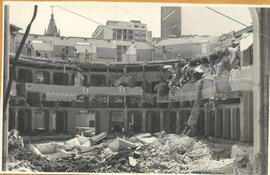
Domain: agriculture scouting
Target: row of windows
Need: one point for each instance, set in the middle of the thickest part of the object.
(124, 34)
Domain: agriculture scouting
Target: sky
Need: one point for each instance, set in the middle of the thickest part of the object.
(196, 19)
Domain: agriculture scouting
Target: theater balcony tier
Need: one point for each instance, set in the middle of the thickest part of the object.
(70, 93)
(225, 85)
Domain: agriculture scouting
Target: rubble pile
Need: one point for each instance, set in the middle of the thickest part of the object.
(142, 153)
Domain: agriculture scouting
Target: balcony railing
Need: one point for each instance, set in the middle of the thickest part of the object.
(67, 93)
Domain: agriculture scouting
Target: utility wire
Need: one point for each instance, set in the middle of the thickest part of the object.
(232, 19)
(227, 16)
(138, 16)
(75, 13)
(92, 20)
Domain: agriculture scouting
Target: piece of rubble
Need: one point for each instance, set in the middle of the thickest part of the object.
(34, 150)
(14, 139)
(73, 142)
(124, 144)
(132, 161)
(60, 154)
(146, 138)
(239, 151)
(47, 148)
(99, 137)
(114, 146)
(91, 148)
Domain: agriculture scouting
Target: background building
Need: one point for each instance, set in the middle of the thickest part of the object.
(121, 30)
(170, 22)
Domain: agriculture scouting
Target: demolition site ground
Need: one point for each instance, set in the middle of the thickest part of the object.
(140, 153)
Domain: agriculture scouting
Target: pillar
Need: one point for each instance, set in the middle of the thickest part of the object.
(261, 63)
(206, 121)
(50, 121)
(125, 120)
(233, 123)
(226, 123)
(178, 125)
(16, 119)
(143, 121)
(246, 117)
(107, 77)
(51, 77)
(33, 120)
(218, 123)
(161, 122)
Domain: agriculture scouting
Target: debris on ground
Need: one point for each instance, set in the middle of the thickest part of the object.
(141, 153)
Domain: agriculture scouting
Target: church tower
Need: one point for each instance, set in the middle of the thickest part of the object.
(52, 29)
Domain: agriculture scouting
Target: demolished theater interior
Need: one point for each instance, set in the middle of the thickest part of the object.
(181, 115)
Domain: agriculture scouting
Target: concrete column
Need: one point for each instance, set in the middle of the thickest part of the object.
(33, 120)
(178, 125)
(161, 122)
(218, 123)
(233, 123)
(50, 121)
(107, 77)
(226, 123)
(51, 77)
(246, 117)
(143, 121)
(16, 119)
(206, 121)
(125, 120)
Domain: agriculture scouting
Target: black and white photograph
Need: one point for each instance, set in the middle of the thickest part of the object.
(132, 87)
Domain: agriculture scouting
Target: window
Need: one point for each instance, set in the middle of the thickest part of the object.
(125, 34)
(130, 34)
(120, 51)
(136, 26)
(119, 34)
(114, 34)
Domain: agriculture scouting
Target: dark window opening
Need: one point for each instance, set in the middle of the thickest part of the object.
(98, 80)
(116, 121)
(42, 77)
(60, 79)
(25, 76)
(135, 121)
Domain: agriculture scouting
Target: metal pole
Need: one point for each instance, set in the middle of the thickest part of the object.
(6, 79)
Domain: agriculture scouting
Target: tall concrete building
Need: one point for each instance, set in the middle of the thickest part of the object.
(122, 30)
(170, 22)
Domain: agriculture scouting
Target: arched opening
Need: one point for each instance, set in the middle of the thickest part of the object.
(152, 121)
(60, 79)
(98, 80)
(135, 121)
(24, 121)
(184, 115)
(25, 76)
(61, 121)
(46, 120)
(169, 121)
(11, 120)
(116, 121)
(42, 77)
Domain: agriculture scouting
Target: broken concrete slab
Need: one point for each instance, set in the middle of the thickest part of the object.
(146, 138)
(47, 148)
(34, 150)
(124, 144)
(99, 137)
(60, 154)
(114, 146)
(73, 142)
(239, 151)
(91, 148)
